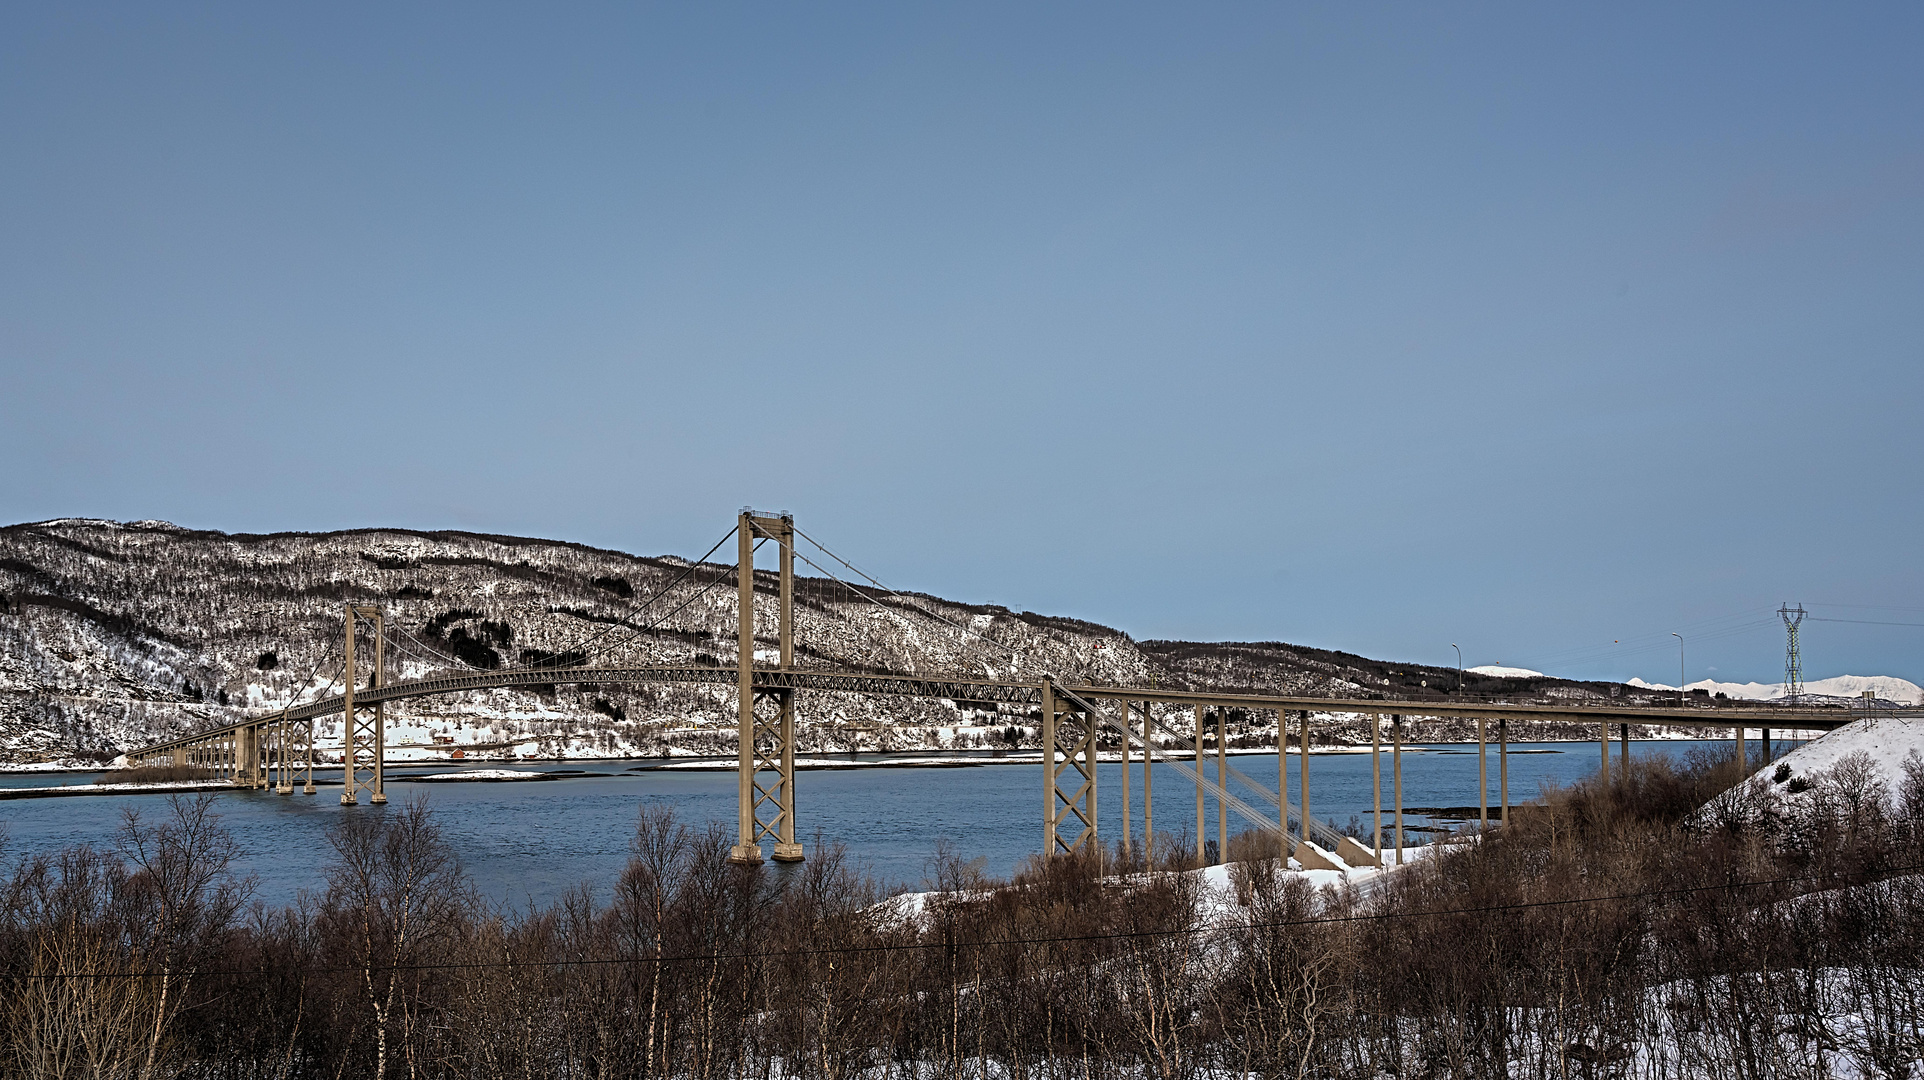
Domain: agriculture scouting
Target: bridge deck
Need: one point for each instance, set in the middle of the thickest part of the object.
(1015, 693)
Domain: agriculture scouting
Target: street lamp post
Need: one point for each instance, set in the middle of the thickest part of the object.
(1459, 666)
(1680, 689)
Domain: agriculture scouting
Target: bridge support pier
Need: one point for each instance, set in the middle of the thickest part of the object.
(284, 758)
(1222, 781)
(1282, 786)
(1148, 790)
(1073, 733)
(1482, 776)
(1503, 764)
(1376, 785)
(1202, 817)
(1396, 767)
(1128, 737)
(1305, 776)
(247, 756)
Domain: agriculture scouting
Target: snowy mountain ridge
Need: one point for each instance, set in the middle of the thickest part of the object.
(113, 635)
(1841, 687)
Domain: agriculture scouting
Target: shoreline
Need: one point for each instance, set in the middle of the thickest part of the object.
(483, 772)
(842, 759)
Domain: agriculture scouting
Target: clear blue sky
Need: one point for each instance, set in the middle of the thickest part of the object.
(1373, 327)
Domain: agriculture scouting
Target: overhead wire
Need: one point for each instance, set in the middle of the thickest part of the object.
(1638, 645)
(1639, 642)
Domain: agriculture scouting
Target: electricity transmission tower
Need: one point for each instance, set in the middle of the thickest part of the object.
(1793, 663)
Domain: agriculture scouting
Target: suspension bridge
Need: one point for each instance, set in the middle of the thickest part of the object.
(275, 750)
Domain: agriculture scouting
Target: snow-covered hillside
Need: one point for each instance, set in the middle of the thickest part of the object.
(112, 635)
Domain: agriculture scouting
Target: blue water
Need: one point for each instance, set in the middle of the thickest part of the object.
(532, 841)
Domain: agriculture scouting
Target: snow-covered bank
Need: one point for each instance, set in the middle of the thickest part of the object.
(479, 776)
(1885, 743)
(1217, 897)
(171, 787)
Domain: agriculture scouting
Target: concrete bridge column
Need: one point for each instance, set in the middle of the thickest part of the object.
(1305, 776)
(1376, 786)
(1503, 764)
(307, 753)
(247, 756)
(286, 746)
(1201, 815)
(1222, 781)
(1396, 766)
(1282, 782)
(1127, 738)
(1148, 788)
(1482, 777)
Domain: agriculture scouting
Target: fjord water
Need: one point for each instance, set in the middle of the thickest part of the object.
(532, 841)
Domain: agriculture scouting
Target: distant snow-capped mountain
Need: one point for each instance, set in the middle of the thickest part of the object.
(1844, 687)
(1502, 672)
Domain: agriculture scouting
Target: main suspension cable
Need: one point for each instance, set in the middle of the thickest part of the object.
(674, 611)
(938, 616)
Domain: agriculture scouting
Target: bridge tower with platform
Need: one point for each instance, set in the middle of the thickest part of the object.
(765, 712)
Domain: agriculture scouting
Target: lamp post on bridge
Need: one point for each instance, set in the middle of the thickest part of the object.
(1459, 666)
(1680, 668)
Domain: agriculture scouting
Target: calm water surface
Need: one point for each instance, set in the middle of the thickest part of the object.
(525, 841)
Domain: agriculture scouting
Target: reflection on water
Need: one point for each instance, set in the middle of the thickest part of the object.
(530, 841)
